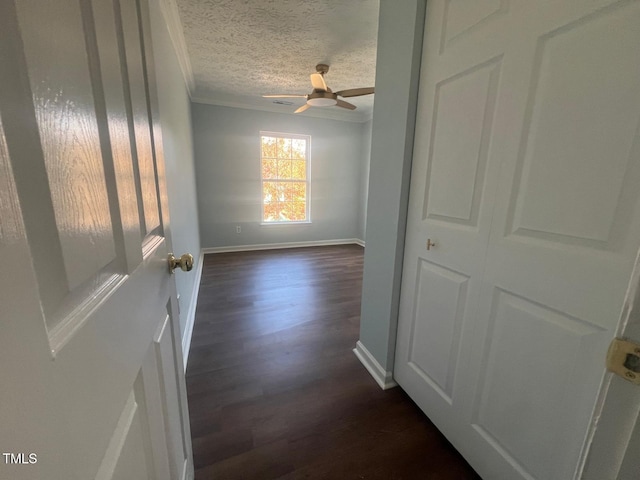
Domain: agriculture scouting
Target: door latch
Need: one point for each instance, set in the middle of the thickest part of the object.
(623, 359)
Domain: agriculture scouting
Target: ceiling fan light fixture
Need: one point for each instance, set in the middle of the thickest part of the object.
(322, 102)
(322, 99)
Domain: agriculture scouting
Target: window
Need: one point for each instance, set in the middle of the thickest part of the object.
(284, 160)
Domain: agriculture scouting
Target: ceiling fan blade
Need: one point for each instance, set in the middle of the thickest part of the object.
(302, 108)
(343, 104)
(317, 80)
(285, 95)
(356, 92)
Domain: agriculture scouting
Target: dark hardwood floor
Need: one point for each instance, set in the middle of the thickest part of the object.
(275, 391)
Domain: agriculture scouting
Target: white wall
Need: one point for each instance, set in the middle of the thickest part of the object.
(175, 119)
(400, 32)
(364, 180)
(227, 153)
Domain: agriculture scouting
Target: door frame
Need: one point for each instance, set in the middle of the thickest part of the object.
(616, 418)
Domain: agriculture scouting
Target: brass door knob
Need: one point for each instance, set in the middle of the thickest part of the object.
(185, 262)
(430, 244)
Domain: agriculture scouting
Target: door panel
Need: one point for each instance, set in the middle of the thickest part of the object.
(60, 169)
(89, 350)
(69, 138)
(464, 18)
(164, 346)
(149, 393)
(436, 338)
(463, 103)
(111, 105)
(525, 381)
(126, 447)
(595, 137)
(540, 136)
(139, 131)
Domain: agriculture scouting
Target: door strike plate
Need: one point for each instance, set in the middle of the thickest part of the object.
(623, 359)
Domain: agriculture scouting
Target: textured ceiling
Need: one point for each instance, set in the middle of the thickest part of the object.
(241, 49)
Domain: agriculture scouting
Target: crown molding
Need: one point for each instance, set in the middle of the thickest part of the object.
(248, 103)
(169, 9)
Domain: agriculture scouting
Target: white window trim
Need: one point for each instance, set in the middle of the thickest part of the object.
(307, 180)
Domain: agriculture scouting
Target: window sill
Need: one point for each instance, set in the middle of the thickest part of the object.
(271, 224)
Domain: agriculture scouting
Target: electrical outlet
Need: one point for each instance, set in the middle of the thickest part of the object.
(238, 229)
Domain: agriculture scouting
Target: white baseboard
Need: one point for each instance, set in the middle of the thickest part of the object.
(382, 377)
(191, 314)
(274, 246)
(184, 470)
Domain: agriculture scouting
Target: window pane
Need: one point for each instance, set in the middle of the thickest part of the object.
(270, 212)
(298, 169)
(269, 147)
(298, 149)
(289, 192)
(298, 191)
(269, 192)
(269, 168)
(292, 212)
(298, 211)
(284, 169)
(284, 147)
(283, 214)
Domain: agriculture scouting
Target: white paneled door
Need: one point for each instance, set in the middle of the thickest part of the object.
(91, 366)
(525, 177)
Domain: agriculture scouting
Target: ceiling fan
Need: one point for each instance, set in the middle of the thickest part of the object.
(322, 96)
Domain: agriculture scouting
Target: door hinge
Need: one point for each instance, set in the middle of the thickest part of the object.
(623, 359)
